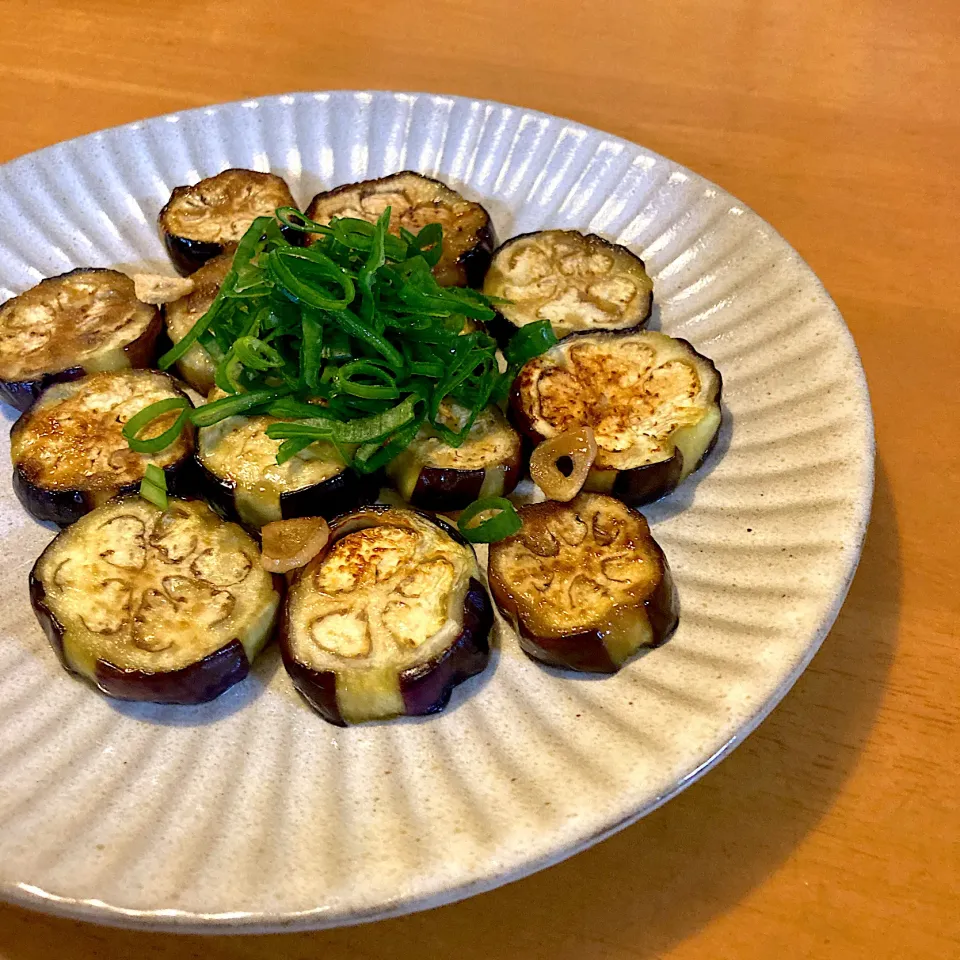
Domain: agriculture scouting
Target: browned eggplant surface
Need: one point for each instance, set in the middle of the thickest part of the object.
(240, 471)
(584, 582)
(433, 475)
(653, 403)
(415, 201)
(200, 221)
(196, 366)
(169, 606)
(85, 321)
(69, 454)
(388, 620)
(578, 282)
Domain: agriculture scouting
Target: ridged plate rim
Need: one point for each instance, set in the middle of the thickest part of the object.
(94, 909)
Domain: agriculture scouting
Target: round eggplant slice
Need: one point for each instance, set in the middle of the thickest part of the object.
(238, 465)
(584, 583)
(388, 620)
(196, 366)
(167, 606)
(200, 221)
(69, 453)
(578, 282)
(415, 201)
(653, 403)
(433, 475)
(85, 321)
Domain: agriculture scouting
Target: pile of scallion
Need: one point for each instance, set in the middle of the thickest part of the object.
(351, 340)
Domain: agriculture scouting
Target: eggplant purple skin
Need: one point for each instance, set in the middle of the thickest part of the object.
(21, 394)
(585, 652)
(476, 261)
(342, 493)
(141, 353)
(64, 507)
(425, 688)
(52, 627)
(198, 682)
(339, 494)
(318, 688)
(473, 262)
(188, 256)
(445, 488)
(640, 485)
(501, 329)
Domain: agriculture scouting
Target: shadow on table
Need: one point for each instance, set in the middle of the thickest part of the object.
(652, 885)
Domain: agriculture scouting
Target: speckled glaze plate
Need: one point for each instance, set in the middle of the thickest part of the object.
(250, 813)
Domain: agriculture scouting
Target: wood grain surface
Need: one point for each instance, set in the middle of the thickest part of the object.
(834, 831)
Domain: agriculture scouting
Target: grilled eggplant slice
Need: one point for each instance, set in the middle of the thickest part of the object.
(388, 620)
(81, 322)
(653, 403)
(240, 473)
(196, 366)
(433, 475)
(578, 282)
(168, 606)
(199, 222)
(584, 583)
(69, 454)
(415, 201)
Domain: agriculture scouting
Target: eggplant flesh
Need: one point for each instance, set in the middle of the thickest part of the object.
(435, 476)
(387, 620)
(85, 321)
(652, 401)
(240, 472)
(578, 282)
(69, 453)
(196, 366)
(201, 221)
(584, 583)
(415, 201)
(165, 606)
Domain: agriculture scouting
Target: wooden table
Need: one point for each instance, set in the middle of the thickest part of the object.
(833, 831)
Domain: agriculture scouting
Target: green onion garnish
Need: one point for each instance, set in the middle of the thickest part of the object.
(153, 487)
(529, 342)
(139, 421)
(504, 522)
(350, 339)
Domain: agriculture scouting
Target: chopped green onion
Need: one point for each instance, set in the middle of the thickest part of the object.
(529, 341)
(139, 421)
(256, 354)
(386, 389)
(311, 346)
(361, 430)
(218, 410)
(291, 217)
(155, 475)
(370, 457)
(352, 325)
(297, 273)
(349, 340)
(153, 487)
(504, 523)
(290, 448)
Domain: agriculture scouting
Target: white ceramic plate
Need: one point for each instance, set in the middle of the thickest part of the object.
(252, 813)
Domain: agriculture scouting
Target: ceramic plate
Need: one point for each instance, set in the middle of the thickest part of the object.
(251, 813)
